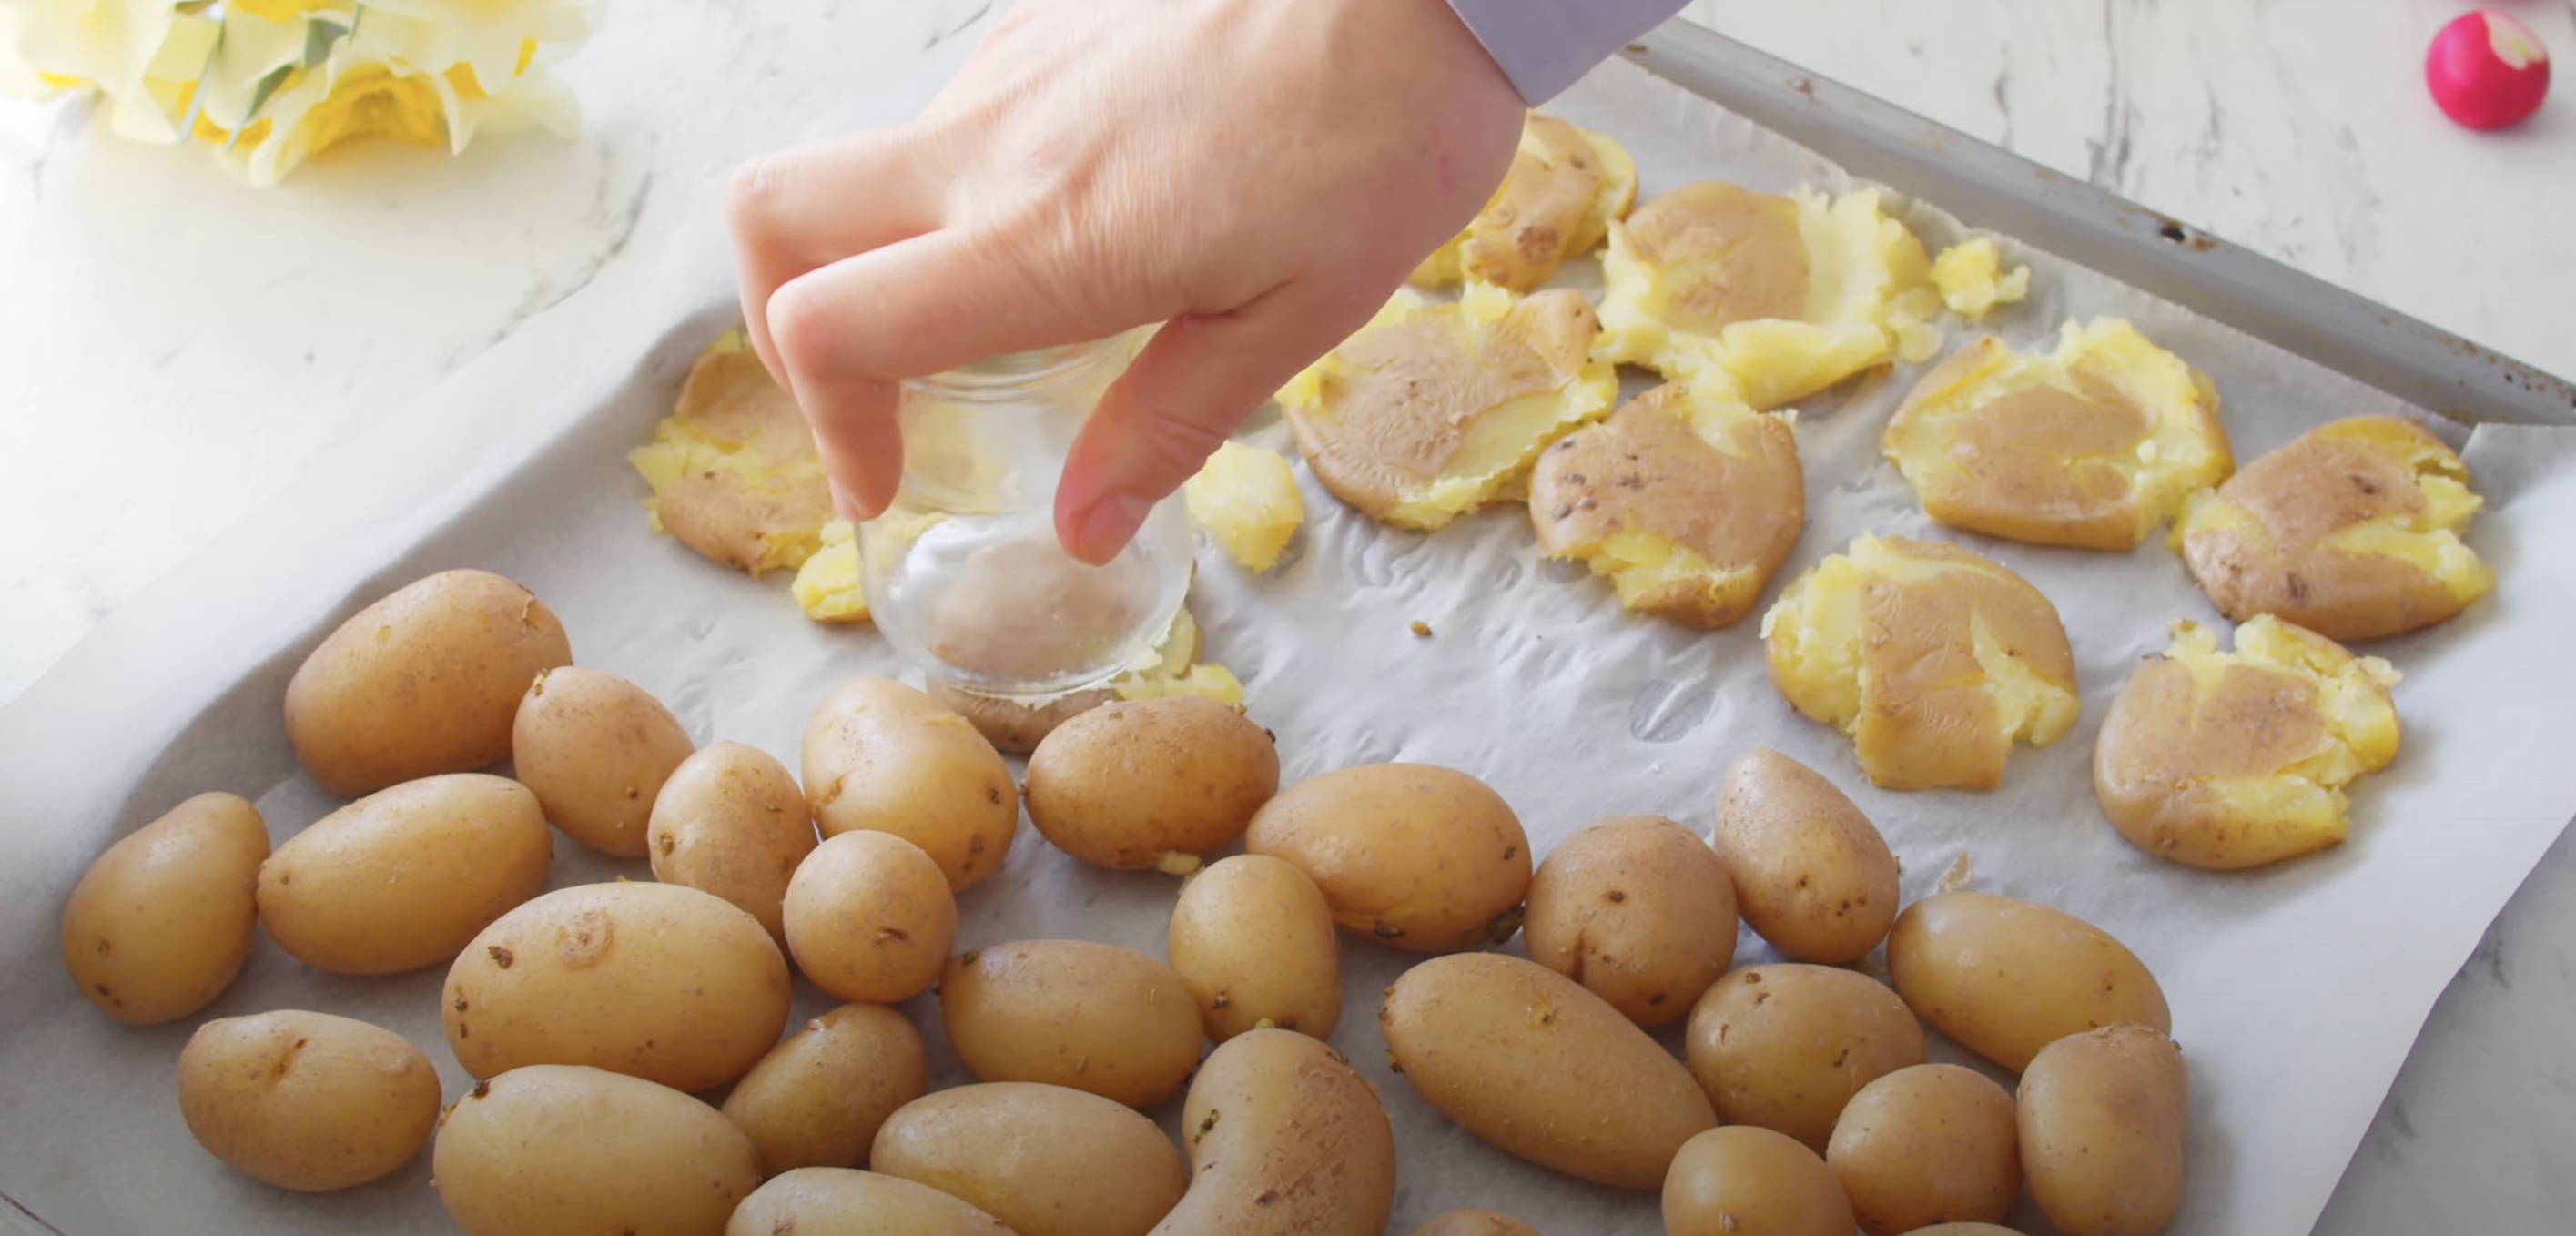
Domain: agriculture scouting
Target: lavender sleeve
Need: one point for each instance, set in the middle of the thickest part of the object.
(1544, 45)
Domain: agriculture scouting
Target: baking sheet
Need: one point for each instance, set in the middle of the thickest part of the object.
(2296, 991)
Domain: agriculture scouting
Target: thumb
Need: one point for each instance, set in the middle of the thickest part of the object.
(1200, 377)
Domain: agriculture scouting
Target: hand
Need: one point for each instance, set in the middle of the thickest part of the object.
(1259, 175)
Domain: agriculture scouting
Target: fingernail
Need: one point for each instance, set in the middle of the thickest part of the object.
(1106, 528)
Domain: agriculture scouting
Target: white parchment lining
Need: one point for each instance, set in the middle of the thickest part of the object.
(2296, 991)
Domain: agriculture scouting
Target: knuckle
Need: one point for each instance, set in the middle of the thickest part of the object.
(801, 326)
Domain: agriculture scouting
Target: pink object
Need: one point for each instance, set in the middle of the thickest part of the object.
(2487, 70)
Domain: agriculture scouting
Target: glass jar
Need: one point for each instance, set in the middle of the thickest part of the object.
(964, 573)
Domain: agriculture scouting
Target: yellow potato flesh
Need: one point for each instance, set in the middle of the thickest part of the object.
(827, 586)
(1247, 499)
(1972, 280)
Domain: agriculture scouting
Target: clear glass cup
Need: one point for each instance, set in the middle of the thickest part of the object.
(964, 574)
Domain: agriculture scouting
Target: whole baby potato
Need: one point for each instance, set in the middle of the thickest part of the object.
(307, 1101)
(1637, 910)
(1419, 857)
(1785, 1047)
(817, 1099)
(2006, 978)
(2104, 1117)
(1151, 783)
(1747, 1179)
(1253, 938)
(1094, 1017)
(732, 821)
(838, 1201)
(596, 749)
(1929, 1144)
(405, 877)
(1964, 1229)
(1524, 1058)
(1475, 1223)
(1045, 1160)
(573, 1151)
(870, 918)
(654, 980)
(1285, 1139)
(161, 922)
(1812, 875)
(883, 757)
(424, 681)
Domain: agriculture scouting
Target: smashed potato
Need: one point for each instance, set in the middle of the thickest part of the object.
(1687, 502)
(1433, 411)
(827, 586)
(1172, 668)
(2225, 760)
(2352, 531)
(1247, 499)
(2092, 446)
(1972, 281)
(1935, 660)
(733, 468)
(1784, 296)
(1565, 186)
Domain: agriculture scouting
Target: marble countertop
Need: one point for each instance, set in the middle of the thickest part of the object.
(179, 348)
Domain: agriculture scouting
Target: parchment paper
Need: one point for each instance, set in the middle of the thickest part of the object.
(2296, 991)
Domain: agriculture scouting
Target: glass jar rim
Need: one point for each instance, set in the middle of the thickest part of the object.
(1019, 372)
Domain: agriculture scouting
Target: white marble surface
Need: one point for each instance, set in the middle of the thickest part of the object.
(176, 348)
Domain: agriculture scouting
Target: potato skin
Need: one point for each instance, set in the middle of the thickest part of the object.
(1253, 938)
(405, 877)
(1094, 1017)
(1746, 1179)
(1414, 856)
(1812, 875)
(1528, 1060)
(1925, 1145)
(882, 756)
(575, 1151)
(595, 749)
(1475, 1223)
(160, 923)
(818, 1098)
(1045, 1160)
(1785, 1047)
(837, 1201)
(654, 980)
(870, 918)
(732, 821)
(307, 1101)
(1127, 784)
(2103, 1117)
(2007, 978)
(1285, 1139)
(424, 681)
(1639, 911)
